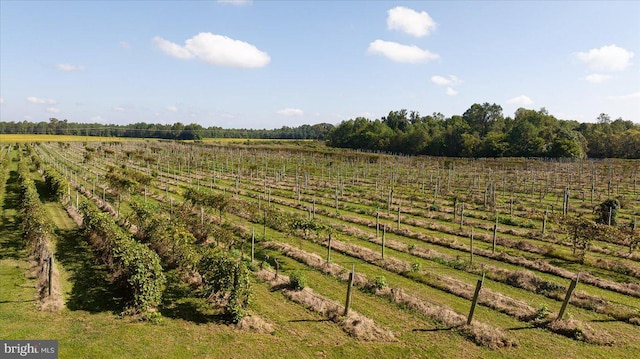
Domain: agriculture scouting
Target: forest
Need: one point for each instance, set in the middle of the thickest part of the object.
(481, 131)
(176, 131)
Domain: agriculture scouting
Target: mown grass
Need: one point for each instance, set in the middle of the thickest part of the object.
(190, 329)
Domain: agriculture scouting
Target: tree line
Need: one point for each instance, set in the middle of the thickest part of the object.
(483, 131)
(176, 131)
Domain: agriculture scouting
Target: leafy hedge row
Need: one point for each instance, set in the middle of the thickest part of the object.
(37, 229)
(225, 277)
(133, 263)
(57, 184)
(172, 241)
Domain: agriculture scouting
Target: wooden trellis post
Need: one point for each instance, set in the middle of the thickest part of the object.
(50, 282)
(471, 247)
(384, 231)
(474, 302)
(253, 243)
(567, 298)
(349, 288)
(329, 249)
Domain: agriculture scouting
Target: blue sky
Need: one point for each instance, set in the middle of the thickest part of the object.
(265, 64)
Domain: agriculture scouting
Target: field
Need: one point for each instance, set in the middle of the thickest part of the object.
(142, 230)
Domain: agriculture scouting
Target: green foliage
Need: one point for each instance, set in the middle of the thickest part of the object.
(297, 280)
(133, 262)
(228, 279)
(543, 312)
(603, 209)
(37, 229)
(482, 131)
(305, 225)
(173, 242)
(205, 197)
(379, 282)
(56, 183)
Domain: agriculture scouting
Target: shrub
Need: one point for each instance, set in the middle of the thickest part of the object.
(379, 282)
(603, 209)
(297, 280)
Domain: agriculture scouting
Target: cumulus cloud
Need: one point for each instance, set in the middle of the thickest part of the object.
(450, 81)
(69, 67)
(520, 101)
(125, 45)
(172, 109)
(606, 58)
(38, 100)
(410, 21)
(290, 112)
(597, 78)
(635, 95)
(97, 119)
(119, 109)
(444, 81)
(215, 50)
(53, 110)
(401, 53)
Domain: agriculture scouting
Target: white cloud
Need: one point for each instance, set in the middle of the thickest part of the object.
(125, 45)
(53, 110)
(520, 101)
(235, 2)
(410, 21)
(451, 81)
(216, 50)
(597, 78)
(69, 67)
(119, 109)
(401, 53)
(607, 58)
(625, 97)
(38, 100)
(290, 112)
(1, 100)
(172, 109)
(97, 119)
(443, 81)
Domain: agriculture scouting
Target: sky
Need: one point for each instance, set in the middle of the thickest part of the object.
(268, 64)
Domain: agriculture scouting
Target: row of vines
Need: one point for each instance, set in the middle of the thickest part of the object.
(419, 231)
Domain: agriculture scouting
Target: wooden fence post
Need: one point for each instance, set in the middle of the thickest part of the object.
(474, 302)
(384, 232)
(495, 236)
(277, 266)
(329, 249)
(349, 288)
(377, 224)
(461, 215)
(253, 243)
(544, 221)
(50, 282)
(471, 248)
(572, 286)
(264, 225)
